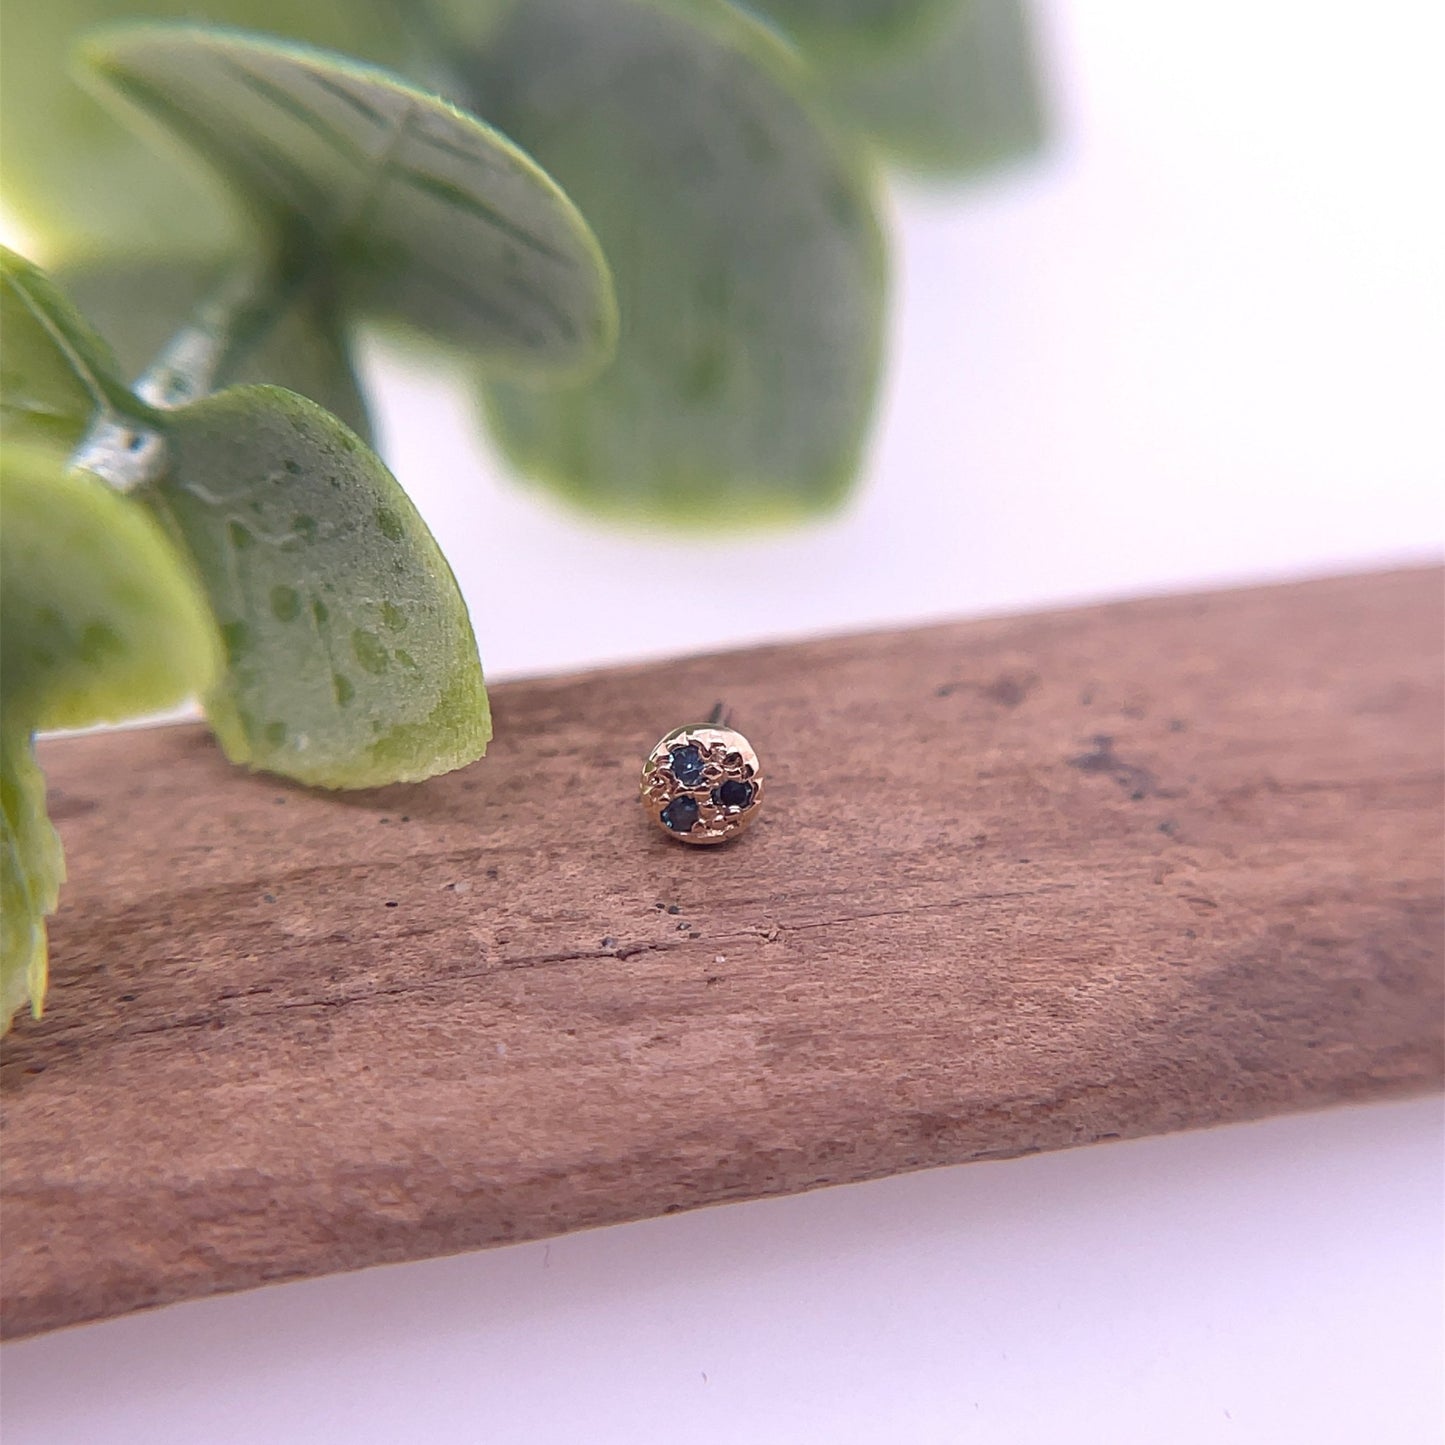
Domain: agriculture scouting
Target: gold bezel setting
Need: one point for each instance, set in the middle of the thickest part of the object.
(702, 784)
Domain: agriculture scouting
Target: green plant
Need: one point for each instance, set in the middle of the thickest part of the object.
(678, 319)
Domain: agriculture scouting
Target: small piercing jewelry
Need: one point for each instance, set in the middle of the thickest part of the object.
(702, 783)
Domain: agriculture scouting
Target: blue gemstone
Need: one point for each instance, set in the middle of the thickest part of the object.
(680, 814)
(733, 794)
(687, 766)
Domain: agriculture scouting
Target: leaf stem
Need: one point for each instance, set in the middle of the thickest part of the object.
(224, 325)
(126, 451)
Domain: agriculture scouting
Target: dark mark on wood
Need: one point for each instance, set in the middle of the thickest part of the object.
(66, 805)
(1136, 781)
(1007, 689)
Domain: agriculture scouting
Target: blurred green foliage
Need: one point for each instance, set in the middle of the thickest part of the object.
(649, 230)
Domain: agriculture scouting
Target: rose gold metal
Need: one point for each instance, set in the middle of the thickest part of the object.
(727, 756)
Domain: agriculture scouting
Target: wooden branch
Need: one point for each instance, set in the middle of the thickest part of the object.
(1021, 885)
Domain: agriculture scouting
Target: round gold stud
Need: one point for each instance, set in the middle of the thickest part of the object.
(702, 784)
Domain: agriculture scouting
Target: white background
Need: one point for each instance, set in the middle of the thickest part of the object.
(1204, 342)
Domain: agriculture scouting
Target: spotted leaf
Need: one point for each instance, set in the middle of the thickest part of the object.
(350, 657)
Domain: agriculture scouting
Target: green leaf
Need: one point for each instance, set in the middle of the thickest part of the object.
(426, 215)
(963, 97)
(351, 658)
(102, 618)
(55, 372)
(31, 870)
(746, 250)
(139, 303)
(76, 178)
(848, 27)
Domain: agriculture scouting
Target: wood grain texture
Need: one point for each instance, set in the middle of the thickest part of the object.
(1021, 885)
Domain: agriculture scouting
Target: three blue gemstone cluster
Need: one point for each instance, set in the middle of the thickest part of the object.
(688, 767)
(702, 785)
